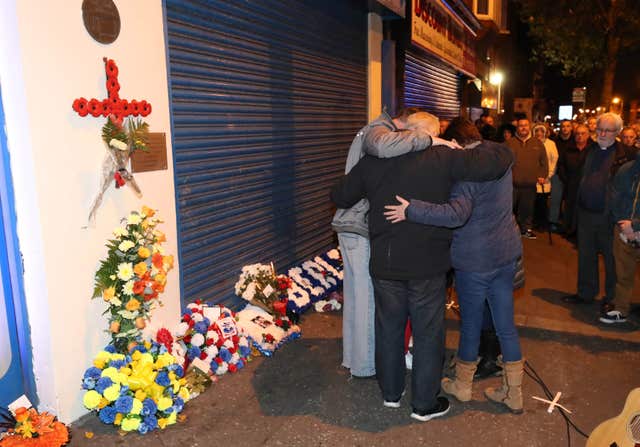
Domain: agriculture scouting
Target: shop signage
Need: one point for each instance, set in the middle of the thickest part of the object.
(579, 95)
(437, 29)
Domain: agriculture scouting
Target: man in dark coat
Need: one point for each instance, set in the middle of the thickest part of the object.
(409, 261)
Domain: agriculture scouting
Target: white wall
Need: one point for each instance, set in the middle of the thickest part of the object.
(47, 59)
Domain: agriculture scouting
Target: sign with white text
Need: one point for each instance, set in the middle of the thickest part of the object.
(440, 31)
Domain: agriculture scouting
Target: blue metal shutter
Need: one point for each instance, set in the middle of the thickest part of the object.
(266, 97)
(431, 84)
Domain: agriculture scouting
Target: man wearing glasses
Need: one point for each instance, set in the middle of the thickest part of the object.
(595, 229)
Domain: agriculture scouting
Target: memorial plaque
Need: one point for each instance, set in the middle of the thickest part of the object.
(155, 159)
(101, 19)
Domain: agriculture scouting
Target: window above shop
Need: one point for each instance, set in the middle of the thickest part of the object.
(492, 10)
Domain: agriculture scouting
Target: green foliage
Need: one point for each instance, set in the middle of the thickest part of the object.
(134, 132)
(111, 130)
(575, 35)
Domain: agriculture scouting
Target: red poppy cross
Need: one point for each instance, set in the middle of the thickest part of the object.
(113, 105)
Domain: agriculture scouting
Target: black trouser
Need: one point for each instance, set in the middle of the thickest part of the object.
(423, 301)
(595, 233)
(524, 198)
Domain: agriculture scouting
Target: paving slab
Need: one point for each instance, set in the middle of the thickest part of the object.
(303, 397)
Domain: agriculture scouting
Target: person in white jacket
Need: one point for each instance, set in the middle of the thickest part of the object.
(543, 190)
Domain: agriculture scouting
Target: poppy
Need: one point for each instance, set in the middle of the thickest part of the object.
(111, 68)
(106, 107)
(113, 86)
(145, 108)
(80, 106)
(95, 107)
(134, 107)
(125, 107)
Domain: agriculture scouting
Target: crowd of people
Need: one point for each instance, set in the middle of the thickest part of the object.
(422, 197)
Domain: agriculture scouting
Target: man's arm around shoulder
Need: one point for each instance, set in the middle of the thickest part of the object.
(488, 161)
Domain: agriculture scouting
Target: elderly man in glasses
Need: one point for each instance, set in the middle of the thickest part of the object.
(595, 228)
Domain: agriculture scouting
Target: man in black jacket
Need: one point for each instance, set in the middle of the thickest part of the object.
(409, 261)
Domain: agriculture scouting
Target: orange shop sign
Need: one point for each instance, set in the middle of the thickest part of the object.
(437, 29)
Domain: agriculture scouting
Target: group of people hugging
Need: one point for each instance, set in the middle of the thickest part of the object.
(412, 206)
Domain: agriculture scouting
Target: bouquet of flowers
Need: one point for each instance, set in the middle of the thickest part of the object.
(122, 134)
(260, 285)
(315, 280)
(138, 391)
(132, 276)
(28, 428)
(266, 331)
(209, 333)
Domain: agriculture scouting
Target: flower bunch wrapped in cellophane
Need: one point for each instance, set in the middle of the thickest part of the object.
(260, 285)
(139, 391)
(33, 429)
(210, 334)
(132, 276)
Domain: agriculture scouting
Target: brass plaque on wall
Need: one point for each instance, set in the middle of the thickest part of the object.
(155, 159)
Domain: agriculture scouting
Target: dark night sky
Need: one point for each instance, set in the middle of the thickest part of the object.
(557, 88)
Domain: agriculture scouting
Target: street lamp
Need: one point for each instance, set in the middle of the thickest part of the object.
(496, 79)
(618, 103)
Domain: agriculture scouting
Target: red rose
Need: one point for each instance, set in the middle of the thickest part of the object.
(232, 350)
(119, 180)
(278, 322)
(80, 106)
(111, 68)
(235, 339)
(145, 108)
(198, 301)
(220, 342)
(187, 339)
(191, 323)
(135, 107)
(186, 317)
(95, 107)
(209, 342)
(165, 338)
(233, 368)
(219, 361)
(203, 355)
(280, 307)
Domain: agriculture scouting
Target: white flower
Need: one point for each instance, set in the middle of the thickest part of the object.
(127, 289)
(197, 340)
(193, 306)
(181, 329)
(120, 232)
(125, 245)
(243, 341)
(234, 358)
(117, 144)
(134, 219)
(228, 344)
(267, 291)
(211, 350)
(197, 317)
(125, 271)
(222, 368)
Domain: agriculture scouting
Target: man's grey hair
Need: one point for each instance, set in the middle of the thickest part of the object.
(614, 117)
(424, 121)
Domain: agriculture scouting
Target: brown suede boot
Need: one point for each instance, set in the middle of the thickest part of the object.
(510, 393)
(460, 387)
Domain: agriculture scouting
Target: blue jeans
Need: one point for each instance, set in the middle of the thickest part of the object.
(423, 301)
(358, 336)
(496, 288)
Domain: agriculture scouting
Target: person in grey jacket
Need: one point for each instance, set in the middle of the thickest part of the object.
(384, 137)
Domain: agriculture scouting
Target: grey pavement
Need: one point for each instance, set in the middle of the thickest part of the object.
(303, 397)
